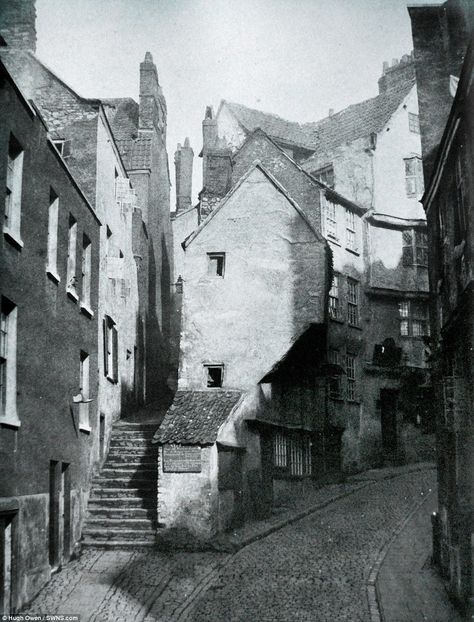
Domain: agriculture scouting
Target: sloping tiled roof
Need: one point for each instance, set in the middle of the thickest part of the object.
(358, 120)
(194, 418)
(122, 114)
(280, 129)
(136, 153)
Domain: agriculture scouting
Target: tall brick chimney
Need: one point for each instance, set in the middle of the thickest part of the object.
(18, 24)
(401, 71)
(152, 112)
(183, 161)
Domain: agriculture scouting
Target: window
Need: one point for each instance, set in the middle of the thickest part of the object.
(13, 189)
(84, 388)
(325, 175)
(63, 147)
(415, 248)
(110, 349)
(334, 303)
(86, 271)
(329, 210)
(351, 376)
(216, 264)
(71, 279)
(414, 123)
(352, 302)
(214, 375)
(335, 382)
(413, 319)
(351, 241)
(8, 330)
(292, 453)
(53, 215)
(413, 176)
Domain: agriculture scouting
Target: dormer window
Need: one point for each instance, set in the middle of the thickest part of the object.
(325, 175)
(216, 264)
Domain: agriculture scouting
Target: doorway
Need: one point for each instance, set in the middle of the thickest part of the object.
(388, 413)
(6, 563)
(59, 513)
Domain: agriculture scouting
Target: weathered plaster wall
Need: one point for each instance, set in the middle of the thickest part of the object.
(118, 286)
(274, 285)
(189, 501)
(394, 143)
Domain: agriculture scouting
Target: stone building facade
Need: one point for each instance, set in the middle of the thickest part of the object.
(443, 36)
(114, 153)
(49, 286)
(255, 279)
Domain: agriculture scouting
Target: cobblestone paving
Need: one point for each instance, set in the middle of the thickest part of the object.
(314, 569)
(317, 568)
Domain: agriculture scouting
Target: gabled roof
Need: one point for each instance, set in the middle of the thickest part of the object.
(331, 194)
(274, 182)
(288, 132)
(194, 418)
(359, 120)
(122, 113)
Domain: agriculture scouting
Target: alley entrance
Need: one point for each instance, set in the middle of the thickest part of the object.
(59, 513)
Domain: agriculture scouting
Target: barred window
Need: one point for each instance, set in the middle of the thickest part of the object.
(351, 376)
(352, 302)
(334, 302)
(413, 319)
(292, 453)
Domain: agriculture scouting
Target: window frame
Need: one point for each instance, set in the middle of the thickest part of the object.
(84, 389)
(353, 301)
(334, 357)
(8, 363)
(13, 191)
(413, 313)
(414, 182)
(322, 174)
(53, 231)
(216, 261)
(414, 123)
(71, 270)
(334, 301)
(207, 376)
(86, 273)
(110, 347)
(351, 377)
(330, 218)
(351, 231)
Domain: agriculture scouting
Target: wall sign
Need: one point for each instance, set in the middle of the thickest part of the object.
(181, 459)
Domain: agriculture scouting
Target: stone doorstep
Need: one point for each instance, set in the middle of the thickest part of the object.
(112, 493)
(126, 503)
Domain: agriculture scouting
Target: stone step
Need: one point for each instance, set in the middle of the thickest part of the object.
(130, 441)
(93, 533)
(133, 425)
(113, 493)
(137, 473)
(145, 437)
(133, 451)
(120, 524)
(112, 512)
(122, 544)
(131, 466)
(125, 504)
(138, 481)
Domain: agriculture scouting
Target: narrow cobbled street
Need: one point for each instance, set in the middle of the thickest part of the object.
(316, 568)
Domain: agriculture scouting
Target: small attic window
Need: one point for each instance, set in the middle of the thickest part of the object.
(216, 264)
(214, 376)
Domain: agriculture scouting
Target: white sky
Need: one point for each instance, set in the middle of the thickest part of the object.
(295, 58)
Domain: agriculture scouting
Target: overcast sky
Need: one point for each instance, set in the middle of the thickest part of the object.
(295, 58)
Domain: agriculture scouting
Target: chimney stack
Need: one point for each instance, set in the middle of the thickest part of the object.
(183, 161)
(18, 24)
(400, 72)
(331, 111)
(209, 129)
(152, 111)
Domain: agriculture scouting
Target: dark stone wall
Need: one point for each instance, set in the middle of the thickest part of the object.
(51, 329)
(441, 35)
(17, 23)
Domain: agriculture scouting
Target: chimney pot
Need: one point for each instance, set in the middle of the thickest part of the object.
(331, 111)
(385, 66)
(394, 62)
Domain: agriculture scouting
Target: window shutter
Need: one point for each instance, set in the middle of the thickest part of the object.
(106, 360)
(115, 352)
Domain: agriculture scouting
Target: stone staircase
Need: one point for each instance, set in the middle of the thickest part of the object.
(122, 510)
